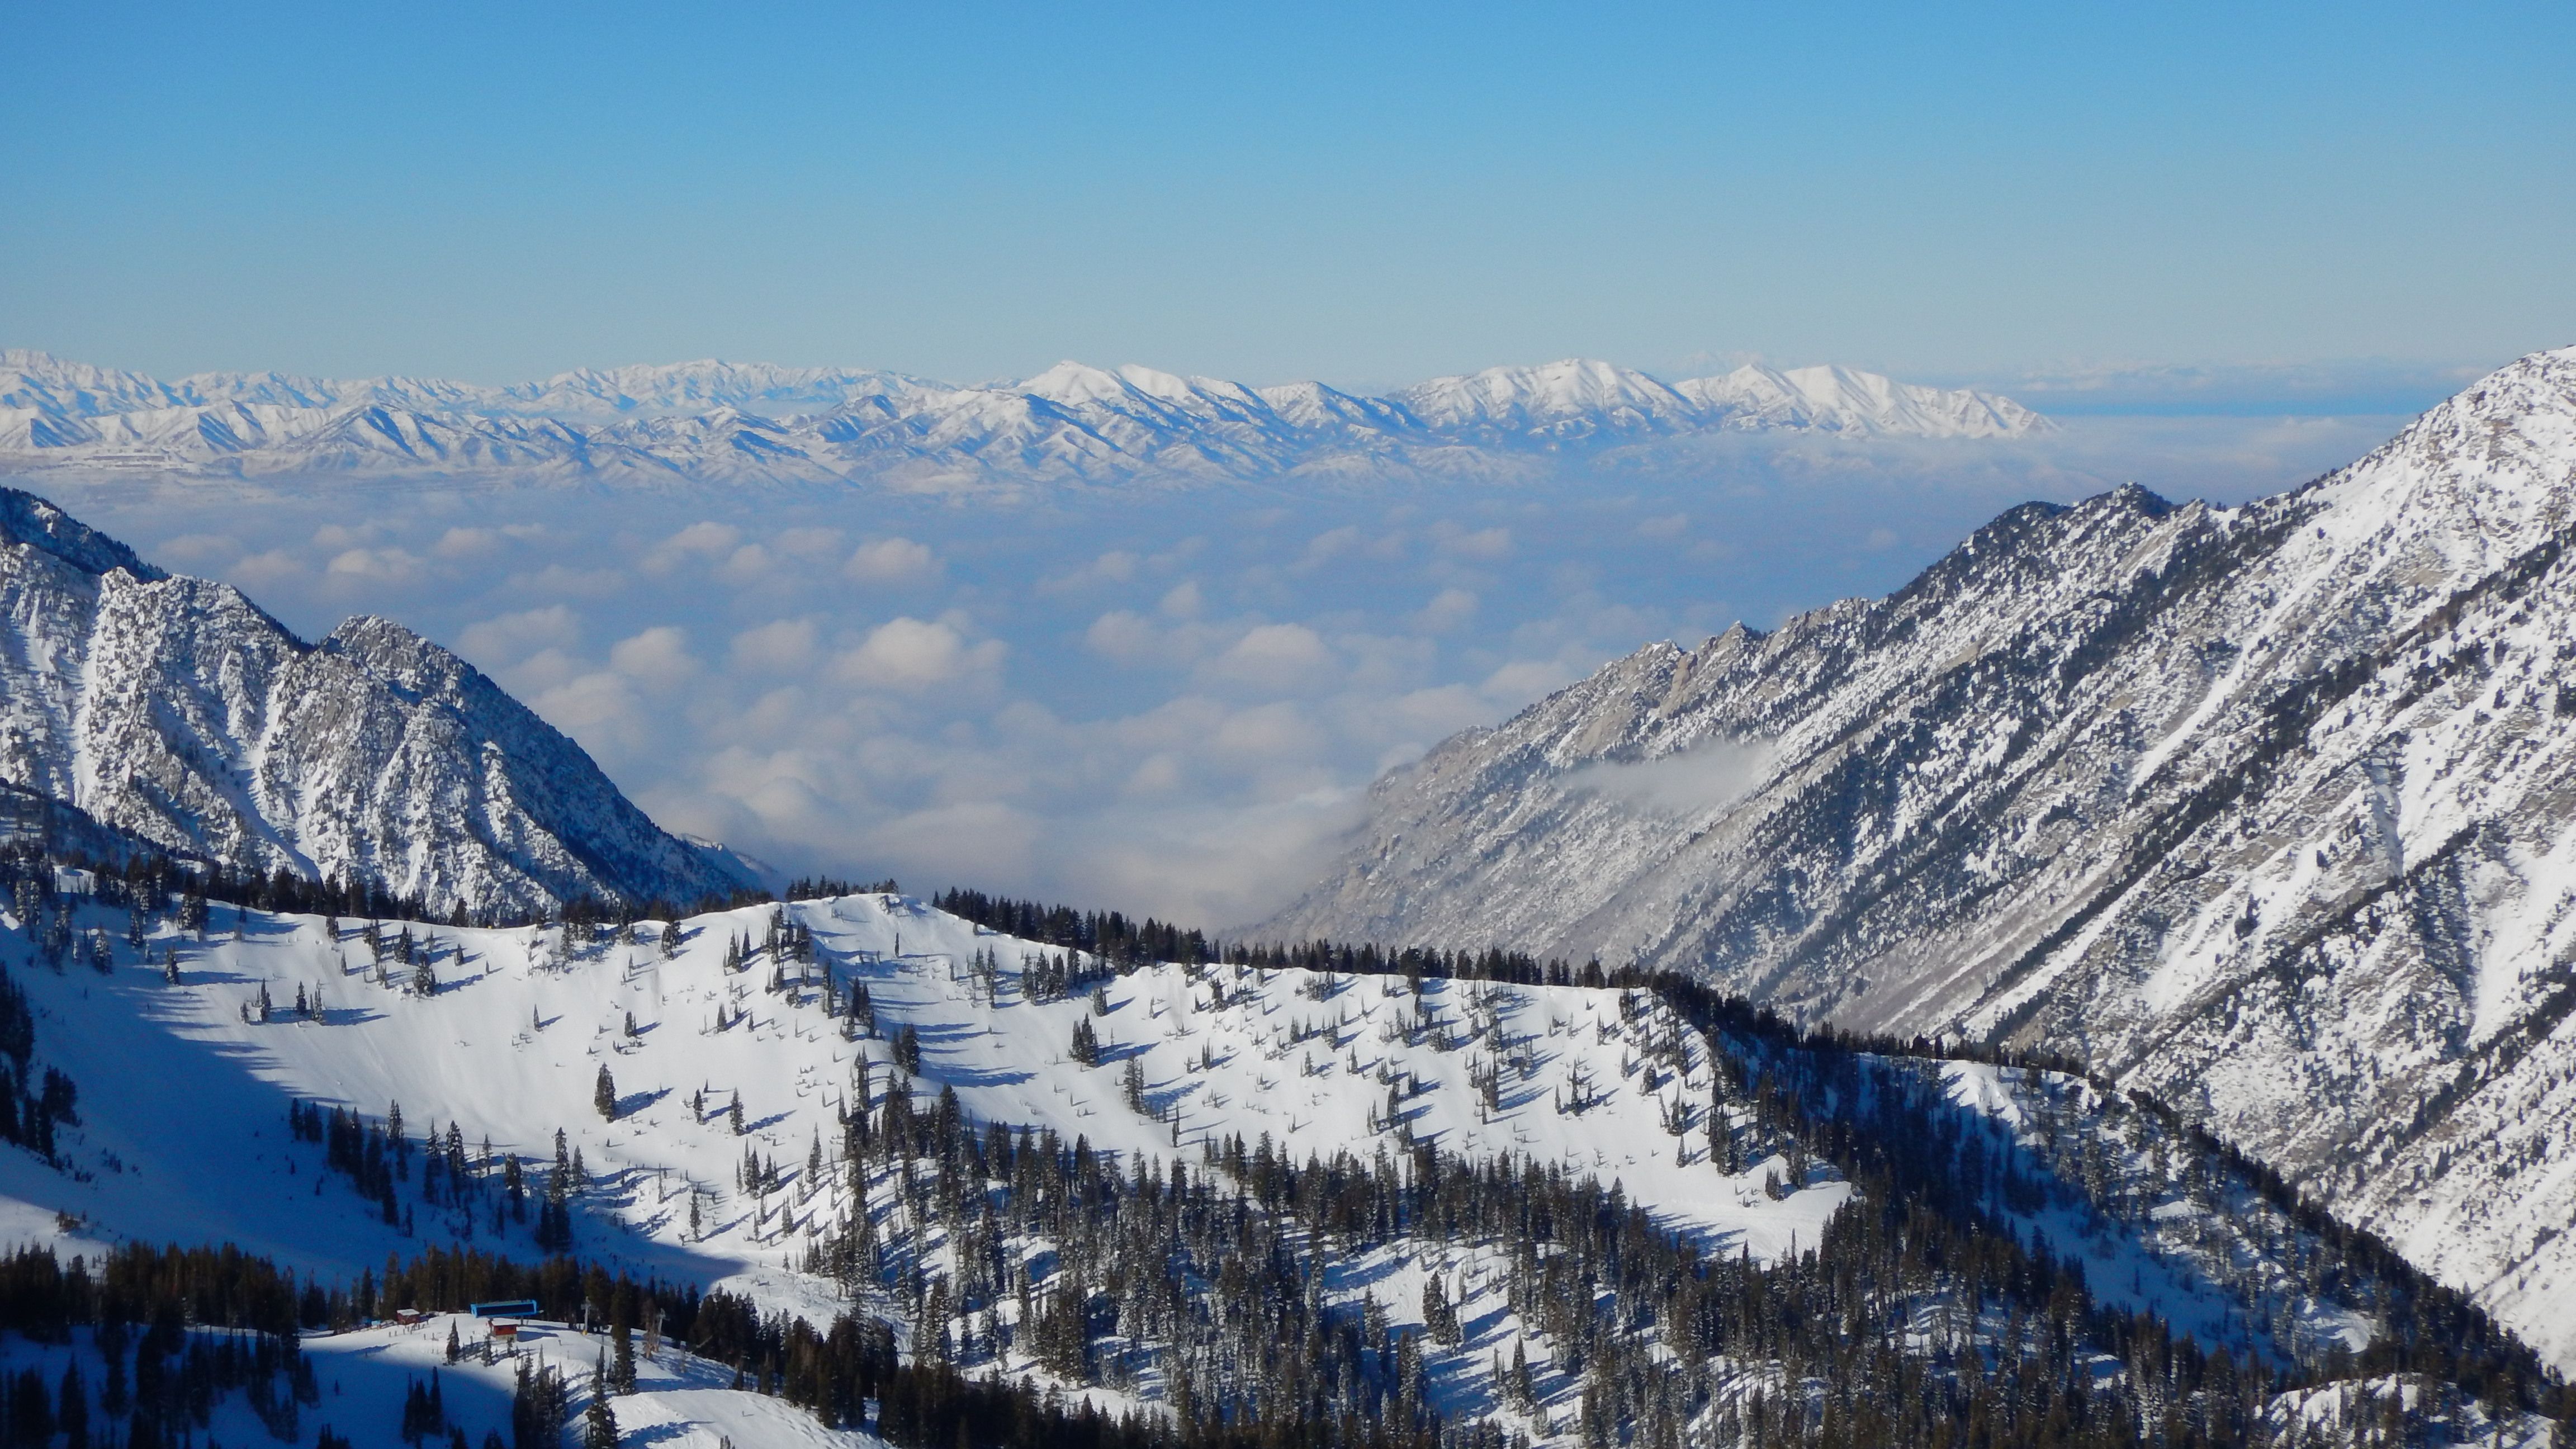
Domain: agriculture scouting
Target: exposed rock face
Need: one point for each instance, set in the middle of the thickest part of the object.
(173, 709)
(2268, 810)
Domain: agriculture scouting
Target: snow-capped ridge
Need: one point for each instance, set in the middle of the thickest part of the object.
(2263, 810)
(177, 711)
(1071, 423)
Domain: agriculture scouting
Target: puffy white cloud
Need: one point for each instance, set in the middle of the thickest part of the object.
(890, 561)
(269, 566)
(1117, 566)
(1158, 774)
(658, 657)
(1123, 635)
(1277, 657)
(1268, 735)
(580, 583)
(749, 564)
(1483, 543)
(779, 647)
(602, 712)
(909, 653)
(508, 638)
(375, 566)
(338, 537)
(705, 539)
(807, 543)
(196, 548)
(1517, 683)
(466, 543)
(1350, 540)
(1448, 609)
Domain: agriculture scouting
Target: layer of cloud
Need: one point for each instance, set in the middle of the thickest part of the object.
(2351, 386)
(1694, 782)
(1168, 704)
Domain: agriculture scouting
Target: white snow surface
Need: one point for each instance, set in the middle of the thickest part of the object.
(1072, 423)
(184, 1102)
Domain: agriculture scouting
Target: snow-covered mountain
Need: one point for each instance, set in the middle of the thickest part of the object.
(1070, 423)
(174, 710)
(813, 1105)
(2269, 811)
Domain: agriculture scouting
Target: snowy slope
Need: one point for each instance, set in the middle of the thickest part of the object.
(184, 1095)
(364, 1375)
(174, 709)
(2266, 810)
(522, 1020)
(1071, 423)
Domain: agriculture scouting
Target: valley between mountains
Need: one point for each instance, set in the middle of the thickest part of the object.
(2115, 989)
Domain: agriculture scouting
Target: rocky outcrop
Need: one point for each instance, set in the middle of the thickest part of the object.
(176, 711)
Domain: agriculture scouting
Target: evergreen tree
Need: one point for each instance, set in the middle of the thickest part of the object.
(621, 1371)
(604, 1094)
(73, 1414)
(537, 1406)
(599, 1422)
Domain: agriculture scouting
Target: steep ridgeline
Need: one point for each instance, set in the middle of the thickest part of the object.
(1068, 424)
(2266, 811)
(174, 710)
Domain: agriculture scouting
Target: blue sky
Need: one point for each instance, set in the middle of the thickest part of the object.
(2320, 208)
(2265, 237)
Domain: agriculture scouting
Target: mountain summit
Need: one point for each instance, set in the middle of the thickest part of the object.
(2270, 811)
(1072, 423)
(176, 711)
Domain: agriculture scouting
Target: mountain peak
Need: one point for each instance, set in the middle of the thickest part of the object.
(178, 712)
(1074, 384)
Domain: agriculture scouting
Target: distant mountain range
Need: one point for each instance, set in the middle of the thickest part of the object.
(174, 711)
(1069, 424)
(2268, 811)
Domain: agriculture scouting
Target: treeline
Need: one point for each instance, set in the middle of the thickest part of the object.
(157, 1377)
(1110, 935)
(1123, 942)
(1915, 1319)
(176, 1330)
(824, 887)
(153, 880)
(33, 1101)
(2433, 1329)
